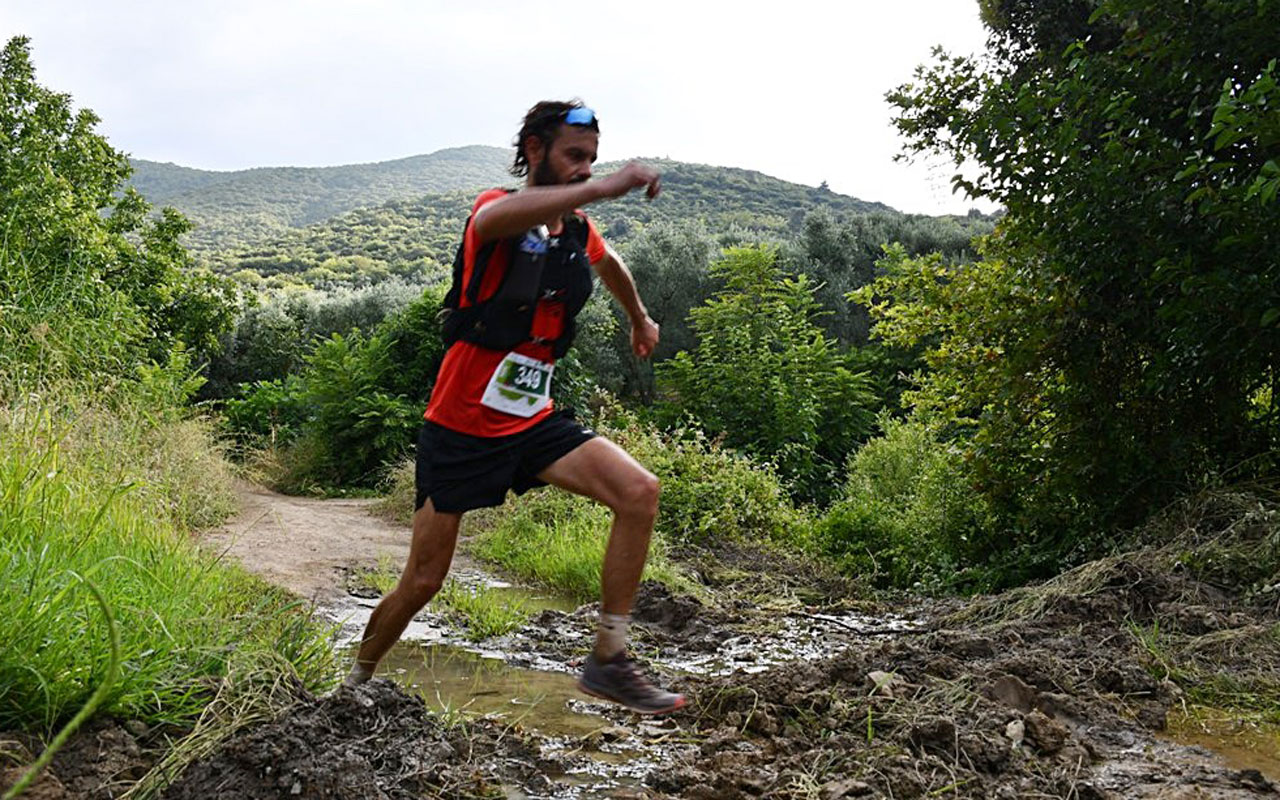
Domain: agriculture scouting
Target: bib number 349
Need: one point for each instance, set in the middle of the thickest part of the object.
(520, 386)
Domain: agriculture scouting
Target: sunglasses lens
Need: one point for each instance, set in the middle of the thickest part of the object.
(580, 116)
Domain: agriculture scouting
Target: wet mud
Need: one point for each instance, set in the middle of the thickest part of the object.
(1063, 704)
(1056, 691)
(103, 760)
(375, 741)
(834, 702)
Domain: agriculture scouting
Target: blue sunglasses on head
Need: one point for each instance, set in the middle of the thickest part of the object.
(580, 116)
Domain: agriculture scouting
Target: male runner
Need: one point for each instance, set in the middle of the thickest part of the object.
(490, 425)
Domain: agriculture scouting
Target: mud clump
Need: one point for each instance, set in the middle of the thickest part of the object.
(654, 604)
(100, 761)
(1052, 695)
(371, 742)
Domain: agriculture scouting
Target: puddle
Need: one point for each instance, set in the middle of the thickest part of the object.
(535, 600)
(804, 637)
(590, 749)
(351, 611)
(597, 756)
(452, 680)
(1241, 744)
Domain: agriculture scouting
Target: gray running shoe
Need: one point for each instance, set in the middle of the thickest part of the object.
(619, 680)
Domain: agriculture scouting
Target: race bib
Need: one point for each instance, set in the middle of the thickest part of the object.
(520, 386)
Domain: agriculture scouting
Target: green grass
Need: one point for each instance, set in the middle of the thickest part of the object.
(101, 494)
(482, 610)
(486, 612)
(558, 540)
(382, 578)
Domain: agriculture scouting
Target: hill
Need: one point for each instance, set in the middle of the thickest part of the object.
(416, 237)
(233, 209)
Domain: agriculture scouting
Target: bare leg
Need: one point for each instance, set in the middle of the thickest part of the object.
(601, 470)
(435, 535)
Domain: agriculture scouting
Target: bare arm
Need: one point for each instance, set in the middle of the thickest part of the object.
(617, 279)
(536, 205)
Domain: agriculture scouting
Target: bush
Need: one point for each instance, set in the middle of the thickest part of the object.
(352, 410)
(558, 539)
(765, 377)
(908, 514)
(1107, 355)
(710, 496)
(710, 493)
(276, 331)
(92, 284)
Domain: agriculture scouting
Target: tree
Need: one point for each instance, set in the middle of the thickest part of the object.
(1135, 146)
(671, 264)
(95, 286)
(764, 376)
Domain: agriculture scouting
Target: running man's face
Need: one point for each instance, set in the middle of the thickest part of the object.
(570, 157)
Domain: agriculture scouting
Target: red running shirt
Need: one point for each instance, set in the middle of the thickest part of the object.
(466, 369)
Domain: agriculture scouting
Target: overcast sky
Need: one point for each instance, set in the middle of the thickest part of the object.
(793, 89)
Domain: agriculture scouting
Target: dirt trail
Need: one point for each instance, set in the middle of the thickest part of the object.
(305, 544)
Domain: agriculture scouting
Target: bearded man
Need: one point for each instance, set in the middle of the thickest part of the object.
(523, 274)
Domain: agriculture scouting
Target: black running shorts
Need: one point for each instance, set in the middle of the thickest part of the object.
(460, 472)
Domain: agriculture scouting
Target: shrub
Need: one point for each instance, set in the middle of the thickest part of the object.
(352, 410)
(710, 493)
(765, 377)
(908, 514)
(558, 539)
(92, 285)
(1107, 353)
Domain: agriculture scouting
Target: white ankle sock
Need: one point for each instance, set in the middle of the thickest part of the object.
(360, 673)
(611, 634)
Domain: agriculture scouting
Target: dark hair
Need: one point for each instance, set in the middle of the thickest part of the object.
(543, 121)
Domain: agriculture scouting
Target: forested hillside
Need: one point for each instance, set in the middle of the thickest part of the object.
(231, 209)
(415, 238)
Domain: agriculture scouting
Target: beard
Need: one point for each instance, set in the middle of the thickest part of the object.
(544, 175)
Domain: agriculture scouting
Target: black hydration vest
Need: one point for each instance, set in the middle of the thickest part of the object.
(538, 267)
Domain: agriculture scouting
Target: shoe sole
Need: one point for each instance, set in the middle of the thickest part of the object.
(649, 712)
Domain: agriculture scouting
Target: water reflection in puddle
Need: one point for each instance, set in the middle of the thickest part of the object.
(453, 680)
(599, 757)
(1242, 745)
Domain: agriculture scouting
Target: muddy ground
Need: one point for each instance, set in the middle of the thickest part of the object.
(1061, 692)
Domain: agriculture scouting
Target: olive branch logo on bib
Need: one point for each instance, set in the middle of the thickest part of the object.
(520, 385)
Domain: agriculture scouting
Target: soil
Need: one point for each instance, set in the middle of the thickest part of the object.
(371, 742)
(1060, 706)
(101, 761)
(794, 693)
(304, 544)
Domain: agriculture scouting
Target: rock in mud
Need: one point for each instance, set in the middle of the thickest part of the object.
(1044, 734)
(838, 790)
(655, 605)
(1013, 692)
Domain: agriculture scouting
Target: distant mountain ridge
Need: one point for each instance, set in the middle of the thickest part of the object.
(416, 238)
(242, 206)
(265, 209)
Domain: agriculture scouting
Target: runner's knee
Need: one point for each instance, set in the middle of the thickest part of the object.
(641, 496)
(421, 588)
